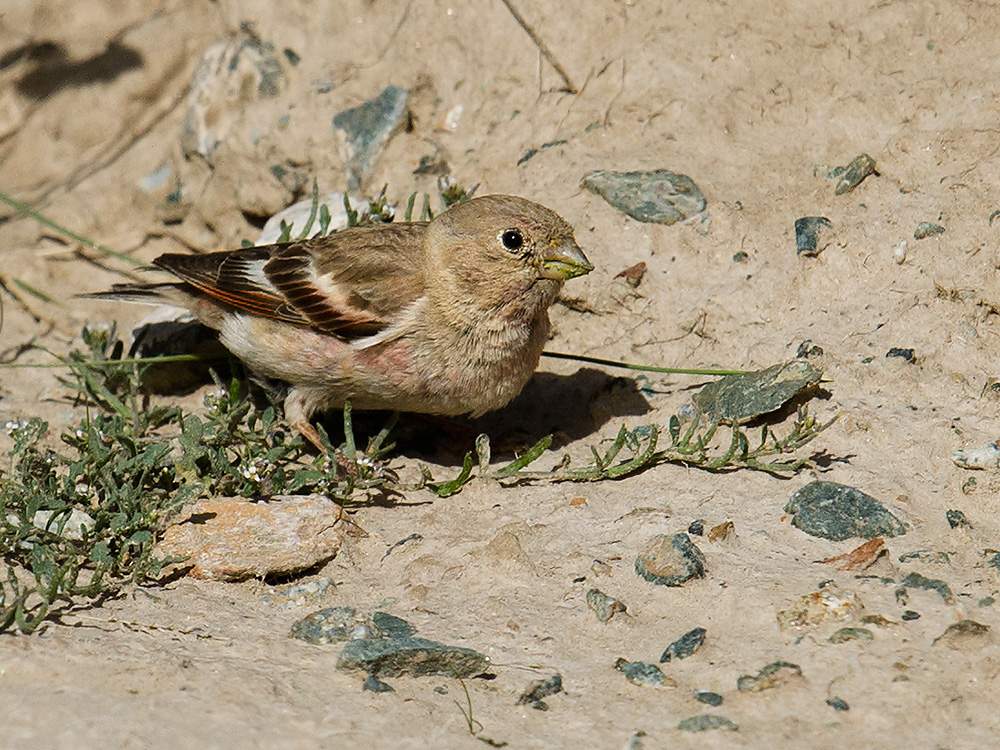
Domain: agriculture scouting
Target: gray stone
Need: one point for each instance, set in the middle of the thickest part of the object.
(851, 634)
(740, 398)
(670, 560)
(917, 581)
(330, 625)
(708, 697)
(964, 635)
(774, 674)
(838, 512)
(604, 606)
(641, 673)
(935, 557)
(837, 704)
(536, 693)
(659, 196)
(811, 235)
(418, 657)
(703, 722)
(385, 625)
(375, 685)
(365, 129)
(956, 519)
(854, 173)
(684, 646)
(926, 229)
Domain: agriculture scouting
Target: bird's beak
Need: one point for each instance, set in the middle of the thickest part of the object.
(564, 261)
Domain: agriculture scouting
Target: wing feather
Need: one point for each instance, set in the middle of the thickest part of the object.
(350, 284)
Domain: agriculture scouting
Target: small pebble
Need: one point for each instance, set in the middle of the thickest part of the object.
(837, 704)
(684, 646)
(984, 457)
(917, 581)
(808, 349)
(375, 685)
(927, 229)
(964, 635)
(925, 555)
(812, 235)
(838, 512)
(299, 594)
(604, 606)
(536, 693)
(851, 634)
(722, 531)
(708, 697)
(704, 722)
(384, 625)
(772, 675)
(854, 174)
(330, 625)
(670, 560)
(740, 257)
(899, 252)
(904, 354)
(658, 196)
(697, 527)
(956, 519)
(909, 615)
(391, 657)
(830, 603)
(365, 129)
(641, 673)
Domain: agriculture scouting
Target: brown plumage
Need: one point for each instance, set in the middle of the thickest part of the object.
(447, 317)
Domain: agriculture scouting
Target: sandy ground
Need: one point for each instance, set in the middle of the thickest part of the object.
(748, 99)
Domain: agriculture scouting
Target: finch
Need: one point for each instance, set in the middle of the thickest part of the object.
(444, 317)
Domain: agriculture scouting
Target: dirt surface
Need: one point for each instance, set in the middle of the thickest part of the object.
(752, 100)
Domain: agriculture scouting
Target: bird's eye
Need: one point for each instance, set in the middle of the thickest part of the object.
(512, 239)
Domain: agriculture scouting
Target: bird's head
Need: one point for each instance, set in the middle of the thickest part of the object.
(503, 253)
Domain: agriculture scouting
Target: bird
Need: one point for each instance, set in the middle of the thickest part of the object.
(447, 317)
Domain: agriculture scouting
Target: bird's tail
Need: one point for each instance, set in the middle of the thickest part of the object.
(149, 294)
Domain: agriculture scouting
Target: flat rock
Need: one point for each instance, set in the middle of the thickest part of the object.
(964, 635)
(704, 722)
(684, 646)
(365, 129)
(417, 657)
(812, 235)
(232, 539)
(658, 196)
(642, 673)
(536, 693)
(774, 674)
(829, 604)
(670, 560)
(853, 174)
(604, 606)
(738, 399)
(838, 512)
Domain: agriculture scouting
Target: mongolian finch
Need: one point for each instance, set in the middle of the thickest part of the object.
(443, 317)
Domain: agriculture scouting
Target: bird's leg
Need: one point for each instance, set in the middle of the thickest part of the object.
(305, 429)
(297, 414)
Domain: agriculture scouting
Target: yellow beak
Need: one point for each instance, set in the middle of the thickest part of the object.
(564, 261)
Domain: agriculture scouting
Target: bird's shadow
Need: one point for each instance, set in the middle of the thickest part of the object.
(567, 407)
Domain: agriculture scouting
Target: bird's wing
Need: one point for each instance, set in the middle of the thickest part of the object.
(350, 284)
